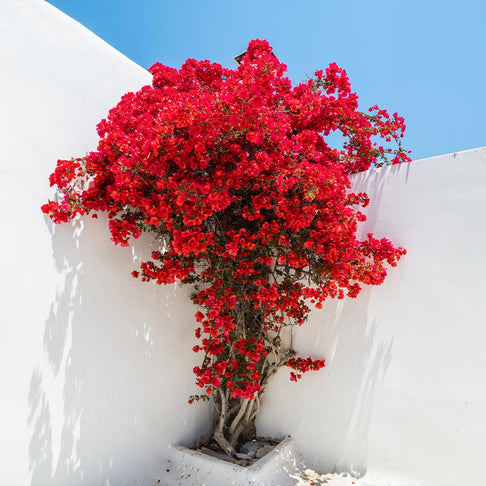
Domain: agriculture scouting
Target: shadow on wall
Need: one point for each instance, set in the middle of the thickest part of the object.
(329, 413)
(112, 392)
(359, 355)
(376, 184)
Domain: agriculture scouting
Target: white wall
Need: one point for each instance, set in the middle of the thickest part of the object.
(404, 390)
(95, 367)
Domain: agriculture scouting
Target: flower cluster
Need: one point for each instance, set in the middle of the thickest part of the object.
(231, 171)
(303, 365)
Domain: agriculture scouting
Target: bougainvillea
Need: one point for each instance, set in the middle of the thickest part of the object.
(231, 170)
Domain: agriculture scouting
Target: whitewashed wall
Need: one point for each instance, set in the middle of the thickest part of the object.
(404, 390)
(95, 367)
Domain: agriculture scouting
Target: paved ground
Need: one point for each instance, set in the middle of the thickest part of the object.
(309, 477)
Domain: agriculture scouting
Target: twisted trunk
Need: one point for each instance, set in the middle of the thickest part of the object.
(236, 417)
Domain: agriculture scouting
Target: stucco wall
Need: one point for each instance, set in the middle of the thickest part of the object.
(404, 388)
(95, 367)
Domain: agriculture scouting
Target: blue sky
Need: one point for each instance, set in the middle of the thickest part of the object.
(425, 59)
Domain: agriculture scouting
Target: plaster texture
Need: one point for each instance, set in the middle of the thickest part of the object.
(96, 367)
(403, 390)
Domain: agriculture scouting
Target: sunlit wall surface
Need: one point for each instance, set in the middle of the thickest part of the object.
(403, 389)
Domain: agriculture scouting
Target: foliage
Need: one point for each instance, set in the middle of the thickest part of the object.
(231, 171)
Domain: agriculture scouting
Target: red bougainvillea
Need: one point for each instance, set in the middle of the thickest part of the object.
(231, 170)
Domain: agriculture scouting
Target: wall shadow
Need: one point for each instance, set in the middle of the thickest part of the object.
(330, 413)
(112, 391)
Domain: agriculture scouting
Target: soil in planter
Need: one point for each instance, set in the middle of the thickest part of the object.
(247, 453)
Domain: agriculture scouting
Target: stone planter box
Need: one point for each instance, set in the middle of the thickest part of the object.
(190, 467)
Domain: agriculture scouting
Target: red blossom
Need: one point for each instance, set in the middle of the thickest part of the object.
(233, 172)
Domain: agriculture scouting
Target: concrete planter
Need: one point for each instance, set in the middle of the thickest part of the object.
(190, 467)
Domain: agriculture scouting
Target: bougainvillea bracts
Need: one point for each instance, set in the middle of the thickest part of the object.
(232, 171)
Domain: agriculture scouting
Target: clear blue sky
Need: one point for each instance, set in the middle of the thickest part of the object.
(425, 59)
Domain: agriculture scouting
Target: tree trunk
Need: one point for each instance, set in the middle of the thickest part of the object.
(237, 415)
(230, 428)
(239, 421)
(218, 435)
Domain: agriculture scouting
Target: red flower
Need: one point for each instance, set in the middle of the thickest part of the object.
(234, 175)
